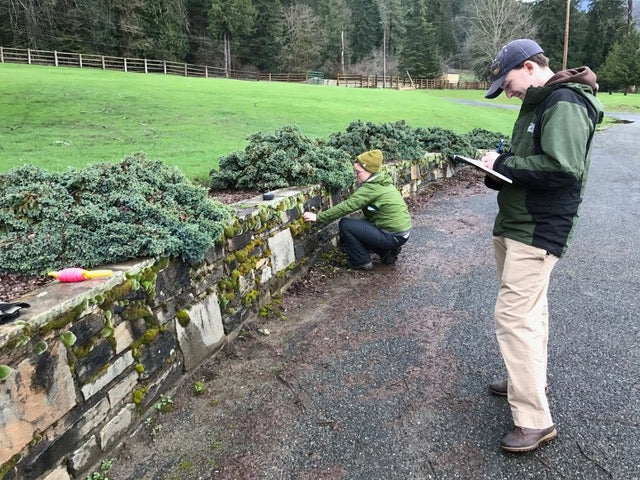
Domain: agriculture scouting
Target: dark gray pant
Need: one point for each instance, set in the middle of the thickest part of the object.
(360, 237)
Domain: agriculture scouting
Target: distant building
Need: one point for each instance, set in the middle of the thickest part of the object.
(452, 78)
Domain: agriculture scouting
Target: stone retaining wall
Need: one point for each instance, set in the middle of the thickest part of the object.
(89, 359)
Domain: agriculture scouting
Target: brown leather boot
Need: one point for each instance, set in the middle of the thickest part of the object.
(522, 439)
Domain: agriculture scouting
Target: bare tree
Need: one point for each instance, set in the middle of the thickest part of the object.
(303, 38)
(32, 21)
(493, 24)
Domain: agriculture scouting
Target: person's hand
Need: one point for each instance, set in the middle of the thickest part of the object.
(489, 158)
(309, 216)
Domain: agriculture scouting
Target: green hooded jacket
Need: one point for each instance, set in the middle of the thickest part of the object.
(548, 162)
(380, 201)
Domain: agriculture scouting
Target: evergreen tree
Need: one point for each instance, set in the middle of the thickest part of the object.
(335, 20)
(419, 53)
(365, 34)
(84, 27)
(621, 70)
(230, 18)
(392, 18)
(164, 26)
(97, 27)
(263, 49)
(428, 32)
(202, 48)
(441, 17)
(551, 15)
(579, 37)
(607, 24)
(460, 26)
(131, 34)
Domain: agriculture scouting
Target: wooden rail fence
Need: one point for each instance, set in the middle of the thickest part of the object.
(140, 65)
(144, 65)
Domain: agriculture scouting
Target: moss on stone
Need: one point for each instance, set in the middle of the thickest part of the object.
(139, 394)
(160, 264)
(82, 351)
(116, 293)
(6, 467)
(137, 310)
(183, 318)
(98, 374)
(65, 319)
(250, 297)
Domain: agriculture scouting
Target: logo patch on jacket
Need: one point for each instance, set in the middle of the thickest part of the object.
(532, 127)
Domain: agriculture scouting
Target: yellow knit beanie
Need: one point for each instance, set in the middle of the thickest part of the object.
(371, 161)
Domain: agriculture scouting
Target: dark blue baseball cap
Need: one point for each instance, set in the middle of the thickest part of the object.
(512, 54)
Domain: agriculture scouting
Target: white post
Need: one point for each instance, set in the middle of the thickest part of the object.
(384, 57)
(342, 50)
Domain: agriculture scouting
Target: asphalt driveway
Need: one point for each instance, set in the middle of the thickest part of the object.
(382, 375)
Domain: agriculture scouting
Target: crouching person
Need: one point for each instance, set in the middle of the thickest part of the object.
(384, 225)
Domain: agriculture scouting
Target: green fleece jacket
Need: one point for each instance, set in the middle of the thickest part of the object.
(380, 202)
(548, 162)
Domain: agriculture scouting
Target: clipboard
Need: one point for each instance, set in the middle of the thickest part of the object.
(480, 165)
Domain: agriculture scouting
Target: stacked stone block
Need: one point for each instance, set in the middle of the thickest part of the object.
(113, 347)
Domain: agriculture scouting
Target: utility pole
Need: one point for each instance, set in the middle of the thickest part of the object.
(566, 36)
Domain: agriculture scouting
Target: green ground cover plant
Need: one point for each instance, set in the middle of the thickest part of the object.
(104, 213)
(282, 159)
(288, 158)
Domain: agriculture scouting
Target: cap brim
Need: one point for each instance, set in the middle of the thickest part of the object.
(496, 87)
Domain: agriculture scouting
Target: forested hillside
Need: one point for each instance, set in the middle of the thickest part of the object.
(422, 38)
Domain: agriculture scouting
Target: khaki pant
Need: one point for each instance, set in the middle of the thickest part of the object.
(522, 328)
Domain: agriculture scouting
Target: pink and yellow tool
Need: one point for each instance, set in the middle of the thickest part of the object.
(79, 274)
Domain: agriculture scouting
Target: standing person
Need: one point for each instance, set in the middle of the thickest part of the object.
(548, 163)
(383, 226)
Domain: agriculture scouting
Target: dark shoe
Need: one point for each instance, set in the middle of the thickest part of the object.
(526, 439)
(499, 387)
(10, 311)
(390, 256)
(364, 266)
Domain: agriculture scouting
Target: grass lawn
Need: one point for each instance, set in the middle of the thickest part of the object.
(62, 117)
